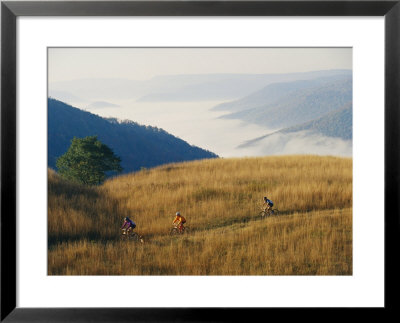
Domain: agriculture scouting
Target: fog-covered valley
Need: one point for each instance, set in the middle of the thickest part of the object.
(218, 113)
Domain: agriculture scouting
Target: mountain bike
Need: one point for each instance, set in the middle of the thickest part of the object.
(175, 230)
(265, 213)
(130, 235)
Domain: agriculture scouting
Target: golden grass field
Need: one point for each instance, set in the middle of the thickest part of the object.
(220, 198)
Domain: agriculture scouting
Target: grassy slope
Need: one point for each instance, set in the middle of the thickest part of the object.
(220, 199)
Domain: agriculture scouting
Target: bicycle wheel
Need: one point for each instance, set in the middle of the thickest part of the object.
(134, 236)
(186, 230)
(262, 214)
(275, 212)
(173, 232)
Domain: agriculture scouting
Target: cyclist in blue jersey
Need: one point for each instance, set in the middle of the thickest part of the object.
(128, 225)
(268, 204)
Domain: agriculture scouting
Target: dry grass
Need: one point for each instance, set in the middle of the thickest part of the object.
(219, 198)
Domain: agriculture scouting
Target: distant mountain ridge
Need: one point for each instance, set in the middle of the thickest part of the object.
(274, 92)
(300, 117)
(293, 103)
(336, 124)
(187, 87)
(138, 146)
(102, 104)
(223, 86)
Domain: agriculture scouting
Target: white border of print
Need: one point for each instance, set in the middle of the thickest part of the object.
(365, 288)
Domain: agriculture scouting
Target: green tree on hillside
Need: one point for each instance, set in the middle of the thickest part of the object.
(87, 161)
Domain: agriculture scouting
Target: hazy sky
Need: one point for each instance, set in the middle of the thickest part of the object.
(144, 63)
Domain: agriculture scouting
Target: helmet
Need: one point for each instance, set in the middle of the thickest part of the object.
(125, 219)
(178, 213)
(265, 198)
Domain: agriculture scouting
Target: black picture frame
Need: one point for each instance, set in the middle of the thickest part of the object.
(10, 10)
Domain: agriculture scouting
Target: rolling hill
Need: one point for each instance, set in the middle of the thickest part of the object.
(220, 200)
(138, 146)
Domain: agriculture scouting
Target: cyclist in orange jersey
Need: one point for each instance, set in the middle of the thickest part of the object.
(179, 221)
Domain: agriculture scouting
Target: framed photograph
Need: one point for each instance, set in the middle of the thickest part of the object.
(197, 161)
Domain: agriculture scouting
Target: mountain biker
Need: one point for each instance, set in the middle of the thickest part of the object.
(179, 221)
(268, 204)
(128, 225)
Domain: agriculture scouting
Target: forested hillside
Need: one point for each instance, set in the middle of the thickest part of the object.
(138, 146)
